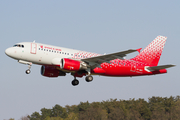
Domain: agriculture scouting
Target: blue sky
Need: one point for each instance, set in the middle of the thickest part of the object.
(93, 26)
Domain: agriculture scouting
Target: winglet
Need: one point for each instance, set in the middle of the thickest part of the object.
(139, 50)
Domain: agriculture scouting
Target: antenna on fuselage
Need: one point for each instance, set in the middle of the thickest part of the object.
(34, 41)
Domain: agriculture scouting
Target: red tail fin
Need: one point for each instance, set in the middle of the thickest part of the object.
(152, 53)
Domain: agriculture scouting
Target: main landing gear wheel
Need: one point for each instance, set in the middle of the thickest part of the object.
(28, 71)
(89, 78)
(75, 82)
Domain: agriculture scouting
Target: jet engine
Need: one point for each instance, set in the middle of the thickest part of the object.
(51, 72)
(72, 65)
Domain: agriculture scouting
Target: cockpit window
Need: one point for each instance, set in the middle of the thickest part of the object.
(18, 45)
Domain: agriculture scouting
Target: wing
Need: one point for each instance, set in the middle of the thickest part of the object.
(95, 61)
(159, 67)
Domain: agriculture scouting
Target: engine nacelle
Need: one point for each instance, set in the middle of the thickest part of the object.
(72, 65)
(51, 72)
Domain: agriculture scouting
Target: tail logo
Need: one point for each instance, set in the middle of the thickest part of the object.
(152, 53)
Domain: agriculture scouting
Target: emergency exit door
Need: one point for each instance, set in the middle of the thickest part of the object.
(33, 48)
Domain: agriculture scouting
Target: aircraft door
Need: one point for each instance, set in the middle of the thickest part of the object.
(33, 48)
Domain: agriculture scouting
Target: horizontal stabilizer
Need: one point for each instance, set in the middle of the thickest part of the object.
(159, 67)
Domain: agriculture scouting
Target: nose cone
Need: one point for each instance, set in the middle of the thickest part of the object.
(8, 52)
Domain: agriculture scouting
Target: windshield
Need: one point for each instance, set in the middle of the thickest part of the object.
(18, 45)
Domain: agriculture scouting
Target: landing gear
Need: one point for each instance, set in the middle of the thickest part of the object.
(28, 70)
(89, 78)
(75, 82)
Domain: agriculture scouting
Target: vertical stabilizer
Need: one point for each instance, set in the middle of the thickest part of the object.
(152, 53)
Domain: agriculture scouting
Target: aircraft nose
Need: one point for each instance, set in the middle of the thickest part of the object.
(8, 51)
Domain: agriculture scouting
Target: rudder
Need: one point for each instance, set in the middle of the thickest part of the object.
(152, 53)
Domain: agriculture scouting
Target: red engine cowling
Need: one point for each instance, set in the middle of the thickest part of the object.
(72, 65)
(51, 72)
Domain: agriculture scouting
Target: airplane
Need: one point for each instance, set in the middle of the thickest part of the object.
(58, 61)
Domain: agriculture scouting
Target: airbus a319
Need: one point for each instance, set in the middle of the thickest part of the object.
(58, 61)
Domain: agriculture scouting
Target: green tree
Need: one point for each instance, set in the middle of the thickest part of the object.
(58, 111)
(72, 116)
(176, 111)
(93, 114)
(116, 114)
(53, 118)
(83, 106)
(157, 108)
(35, 116)
(45, 113)
(72, 108)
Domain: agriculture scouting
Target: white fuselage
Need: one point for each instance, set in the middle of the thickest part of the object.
(43, 54)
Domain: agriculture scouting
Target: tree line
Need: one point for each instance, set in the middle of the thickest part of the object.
(156, 108)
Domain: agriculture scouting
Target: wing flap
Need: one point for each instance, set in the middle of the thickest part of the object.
(159, 67)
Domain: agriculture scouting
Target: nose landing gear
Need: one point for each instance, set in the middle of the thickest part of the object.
(26, 63)
(28, 71)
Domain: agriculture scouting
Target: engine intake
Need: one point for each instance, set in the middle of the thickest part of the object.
(72, 65)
